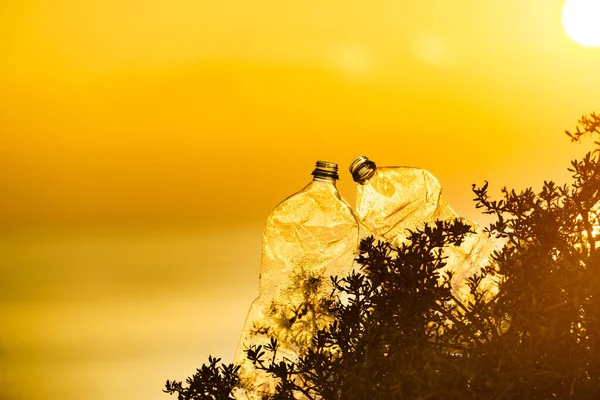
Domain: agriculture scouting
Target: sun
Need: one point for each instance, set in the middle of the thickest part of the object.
(581, 19)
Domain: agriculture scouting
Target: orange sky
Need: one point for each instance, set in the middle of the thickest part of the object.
(180, 111)
(164, 130)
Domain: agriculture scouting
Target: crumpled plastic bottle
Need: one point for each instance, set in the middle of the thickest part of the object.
(392, 200)
(308, 237)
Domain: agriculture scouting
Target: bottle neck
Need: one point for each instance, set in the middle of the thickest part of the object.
(326, 172)
(362, 169)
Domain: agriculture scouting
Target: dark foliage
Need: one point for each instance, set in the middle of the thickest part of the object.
(209, 382)
(399, 333)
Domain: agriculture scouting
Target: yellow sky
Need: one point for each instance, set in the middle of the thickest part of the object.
(180, 110)
(166, 131)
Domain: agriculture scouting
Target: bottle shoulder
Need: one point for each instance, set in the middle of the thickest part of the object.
(404, 173)
(314, 191)
(315, 199)
(401, 181)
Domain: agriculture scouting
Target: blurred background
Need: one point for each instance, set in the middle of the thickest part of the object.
(144, 143)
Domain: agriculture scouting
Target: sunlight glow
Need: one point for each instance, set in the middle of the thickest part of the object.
(581, 20)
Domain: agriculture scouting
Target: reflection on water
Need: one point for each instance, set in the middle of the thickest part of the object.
(113, 314)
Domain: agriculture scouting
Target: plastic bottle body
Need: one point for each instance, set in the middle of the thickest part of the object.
(392, 200)
(395, 199)
(308, 237)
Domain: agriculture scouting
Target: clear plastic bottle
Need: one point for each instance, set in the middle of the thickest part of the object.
(308, 237)
(392, 200)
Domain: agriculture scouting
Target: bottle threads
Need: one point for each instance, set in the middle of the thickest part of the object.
(362, 169)
(325, 170)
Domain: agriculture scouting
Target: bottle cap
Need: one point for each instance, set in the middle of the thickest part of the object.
(326, 170)
(362, 169)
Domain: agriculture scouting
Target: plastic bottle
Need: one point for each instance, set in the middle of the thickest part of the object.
(392, 200)
(308, 237)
